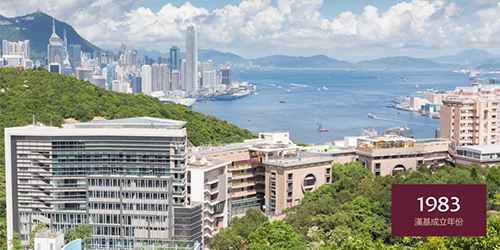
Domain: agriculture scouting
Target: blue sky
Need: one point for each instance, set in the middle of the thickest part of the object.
(345, 30)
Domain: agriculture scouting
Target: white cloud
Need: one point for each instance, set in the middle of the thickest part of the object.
(298, 25)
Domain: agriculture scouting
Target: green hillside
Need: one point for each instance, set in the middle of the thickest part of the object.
(61, 96)
(37, 27)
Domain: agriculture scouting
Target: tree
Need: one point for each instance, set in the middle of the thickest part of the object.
(15, 243)
(81, 231)
(494, 175)
(40, 227)
(275, 235)
(226, 239)
(247, 224)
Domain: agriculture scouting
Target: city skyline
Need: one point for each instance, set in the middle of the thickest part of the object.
(251, 29)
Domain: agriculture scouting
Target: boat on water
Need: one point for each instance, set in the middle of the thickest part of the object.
(319, 89)
(321, 129)
(325, 88)
(282, 101)
(424, 113)
(279, 87)
(368, 132)
(288, 90)
(436, 116)
(298, 85)
(371, 116)
(272, 84)
(399, 112)
(326, 77)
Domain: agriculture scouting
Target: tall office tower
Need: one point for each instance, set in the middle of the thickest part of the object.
(176, 80)
(136, 84)
(183, 74)
(55, 48)
(146, 79)
(21, 48)
(226, 77)
(124, 179)
(208, 74)
(175, 58)
(165, 77)
(191, 79)
(155, 73)
(75, 55)
(135, 58)
(110, 76)
(470, 121)
(160, 60)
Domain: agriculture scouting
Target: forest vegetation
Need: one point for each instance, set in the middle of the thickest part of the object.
(354, 212)
(54, 97)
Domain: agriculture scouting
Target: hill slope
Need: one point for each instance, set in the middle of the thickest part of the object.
(37, 27)
(401, 62)
(465, 56)
(318, 61)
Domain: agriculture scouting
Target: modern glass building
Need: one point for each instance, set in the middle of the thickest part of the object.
(126, 178)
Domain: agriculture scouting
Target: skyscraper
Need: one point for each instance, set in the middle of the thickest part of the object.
(55, 48)
(75, 55)
(175, 58)
(110, 76)
(208, 74)
(155, 77)
(183, 74)
(191, 80)
(146, 79)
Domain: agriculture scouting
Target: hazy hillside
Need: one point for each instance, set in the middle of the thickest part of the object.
(318, 61)
(402, 62)
(467, 56)
(37, 27)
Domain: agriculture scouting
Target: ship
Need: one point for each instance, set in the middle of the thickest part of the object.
(368, 132)
(325, 88)
(371, 116)
(436, 116)
(424, 113)
(321, 129)
(282, 101)
(319, 89)
(298, 85)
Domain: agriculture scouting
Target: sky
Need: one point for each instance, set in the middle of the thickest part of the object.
(345, 30)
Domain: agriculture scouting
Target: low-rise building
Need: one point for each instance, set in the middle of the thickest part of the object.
(482, 154)
(385, 155)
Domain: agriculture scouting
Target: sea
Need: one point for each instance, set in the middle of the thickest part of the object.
(338, 99)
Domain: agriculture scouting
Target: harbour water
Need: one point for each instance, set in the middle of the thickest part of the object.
(342, 106)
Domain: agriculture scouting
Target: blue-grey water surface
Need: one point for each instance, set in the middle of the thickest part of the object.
(342, 109)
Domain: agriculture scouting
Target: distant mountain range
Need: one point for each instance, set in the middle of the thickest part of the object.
(37, 27)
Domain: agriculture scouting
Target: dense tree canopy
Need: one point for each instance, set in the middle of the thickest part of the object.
(54, 97)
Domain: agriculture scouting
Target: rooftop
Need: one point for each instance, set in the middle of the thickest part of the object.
(482, 149)
(135, 122)
(200, 162)
(300, 159)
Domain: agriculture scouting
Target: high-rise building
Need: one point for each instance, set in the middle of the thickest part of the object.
(84, 74)
(208, 76)
(135, 58)
(136, 84)
(75, 55)
(175, 58)
(21, 48)
(110, 76)
(155, 77)
(176, 80)
(55, 48)
(183, 74)
(470, 121)
(146, 79)
(226, 77)
(165, 77)
(124, 179)
(191, 79)
(55, 68)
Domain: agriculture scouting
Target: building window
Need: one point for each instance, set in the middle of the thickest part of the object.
(290, 177)
(377, 166)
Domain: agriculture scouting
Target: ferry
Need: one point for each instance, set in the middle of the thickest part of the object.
(298, 85)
